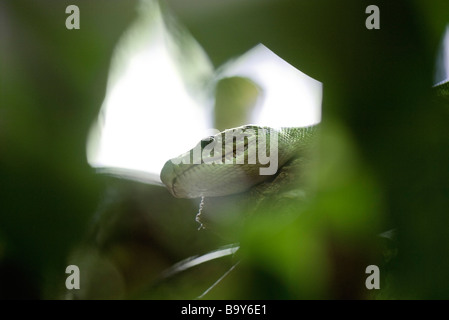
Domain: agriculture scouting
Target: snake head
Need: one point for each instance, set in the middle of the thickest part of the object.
(229, 162)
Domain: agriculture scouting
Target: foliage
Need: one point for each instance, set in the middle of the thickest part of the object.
(382, 161)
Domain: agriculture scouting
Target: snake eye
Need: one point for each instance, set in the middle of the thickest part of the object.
(207, 141)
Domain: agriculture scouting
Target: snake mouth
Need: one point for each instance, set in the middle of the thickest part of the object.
(170, 175)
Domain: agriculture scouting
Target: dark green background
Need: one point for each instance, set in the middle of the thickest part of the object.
(383, 158)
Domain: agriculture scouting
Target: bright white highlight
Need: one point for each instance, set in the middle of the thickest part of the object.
(290, 97)
(442, 72)
(148, 116)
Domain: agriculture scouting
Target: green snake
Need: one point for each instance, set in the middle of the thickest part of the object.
(204, 176)
(228, 170)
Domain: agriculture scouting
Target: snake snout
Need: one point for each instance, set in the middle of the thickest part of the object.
(168, 176)
(172, 175)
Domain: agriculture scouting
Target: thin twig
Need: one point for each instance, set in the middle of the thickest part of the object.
(216, 282)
